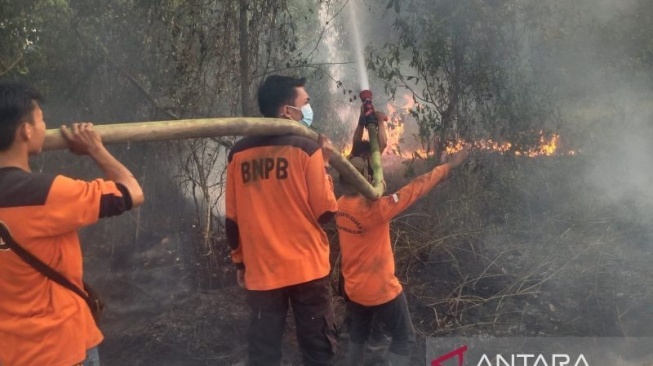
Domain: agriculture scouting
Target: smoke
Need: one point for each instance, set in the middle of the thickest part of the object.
(628, 151)
(586, 56)
(620, 170)
(604, 93)
(606, 10)
(612, 120)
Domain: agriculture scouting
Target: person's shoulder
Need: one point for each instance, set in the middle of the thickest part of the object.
(389, 199)
(356, 200)
(243, 144)
(250, 142)
(27, 179)
(304, 143)
(22, 188)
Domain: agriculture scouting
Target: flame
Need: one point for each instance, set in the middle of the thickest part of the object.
(547, 147)
(395, 128)
(395, 125)
(345, 151)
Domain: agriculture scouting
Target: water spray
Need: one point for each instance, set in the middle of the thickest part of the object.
(358, 46)
(369, 115)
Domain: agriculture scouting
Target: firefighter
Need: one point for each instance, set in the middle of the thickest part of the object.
(360, 156)
(278, 196)
(368, 265)
(42, 322)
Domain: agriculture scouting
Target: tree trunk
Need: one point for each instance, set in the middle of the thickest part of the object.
(245, 79)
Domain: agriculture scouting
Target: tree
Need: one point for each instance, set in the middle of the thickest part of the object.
(467, 69)
(127, 60)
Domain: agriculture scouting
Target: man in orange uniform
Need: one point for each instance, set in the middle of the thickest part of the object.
(368, 262)
(278, 195)
(360, 156)
(41, 322)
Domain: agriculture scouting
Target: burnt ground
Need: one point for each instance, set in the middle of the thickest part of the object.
(512, 253)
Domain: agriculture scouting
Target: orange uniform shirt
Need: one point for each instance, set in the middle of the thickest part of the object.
(41, 322)
(368, 264)
(277, 195)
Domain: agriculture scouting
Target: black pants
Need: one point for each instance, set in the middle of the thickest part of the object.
(377, 333)
(316, 332)
(393, 315)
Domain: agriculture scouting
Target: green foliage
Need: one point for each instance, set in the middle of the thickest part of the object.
(138, 60)
(21, 32)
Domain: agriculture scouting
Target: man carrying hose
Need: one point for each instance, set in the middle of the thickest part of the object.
(42, 322)
(278, 194)
(368, 266)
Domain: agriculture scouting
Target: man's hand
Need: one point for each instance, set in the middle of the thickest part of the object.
(381, 117)
(361, 117)
(327, 148)
(81, 138)
(458, 157)
(240, 277)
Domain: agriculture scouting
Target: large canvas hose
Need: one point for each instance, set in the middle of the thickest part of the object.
(375, 157)
(216, 127)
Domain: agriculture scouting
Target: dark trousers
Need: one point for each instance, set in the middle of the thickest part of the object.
(316, 331)
(393, 315)
(377, 332)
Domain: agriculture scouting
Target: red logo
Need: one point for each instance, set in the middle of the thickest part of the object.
(458, 353)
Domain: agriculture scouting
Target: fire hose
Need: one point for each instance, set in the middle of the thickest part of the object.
(370, 122)
(216, 127)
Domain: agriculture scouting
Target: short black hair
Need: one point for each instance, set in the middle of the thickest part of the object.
(17, 101)
(277, 91)
(361, 148)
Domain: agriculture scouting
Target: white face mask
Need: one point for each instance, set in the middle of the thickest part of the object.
(307, 113)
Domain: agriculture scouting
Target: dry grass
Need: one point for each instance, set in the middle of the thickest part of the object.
(505, 247)
(523, 247)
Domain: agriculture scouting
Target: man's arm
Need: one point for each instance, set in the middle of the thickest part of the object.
(358, 134)
(381, 118)
(83, 140)
(383, 137)
(394, 204)
(72, 204)
(231, 226)
(231, 221)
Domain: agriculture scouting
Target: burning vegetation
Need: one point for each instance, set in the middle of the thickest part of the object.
(403, 142)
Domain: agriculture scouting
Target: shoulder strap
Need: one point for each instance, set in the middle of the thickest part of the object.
(37, 264)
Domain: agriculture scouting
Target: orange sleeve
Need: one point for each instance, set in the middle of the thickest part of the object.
(394, 204)
(231, 221)
(72, 204)
(320, 189)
